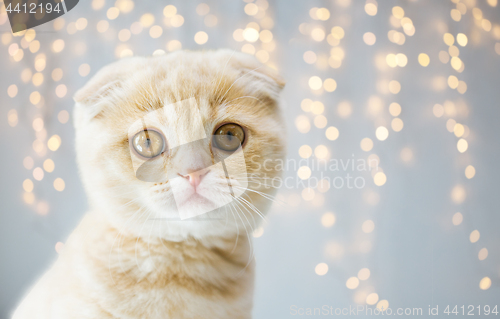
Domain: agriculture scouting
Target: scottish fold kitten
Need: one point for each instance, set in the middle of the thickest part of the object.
(171, 151)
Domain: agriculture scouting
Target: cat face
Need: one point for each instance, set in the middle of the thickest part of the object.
(179, 142)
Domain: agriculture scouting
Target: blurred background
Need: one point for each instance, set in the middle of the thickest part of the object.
(411, 85)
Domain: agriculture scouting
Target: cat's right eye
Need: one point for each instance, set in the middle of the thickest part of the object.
(148, 143)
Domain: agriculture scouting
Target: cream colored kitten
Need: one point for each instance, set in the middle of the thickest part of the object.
(160, 140)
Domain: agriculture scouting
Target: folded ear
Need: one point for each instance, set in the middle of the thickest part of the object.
(104, 85)
(266, 78)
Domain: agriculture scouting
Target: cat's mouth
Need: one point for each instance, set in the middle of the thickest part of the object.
(197, 200)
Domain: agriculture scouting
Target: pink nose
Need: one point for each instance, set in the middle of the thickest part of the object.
(195, 178)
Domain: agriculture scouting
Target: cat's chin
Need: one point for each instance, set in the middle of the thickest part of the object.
(195, 205)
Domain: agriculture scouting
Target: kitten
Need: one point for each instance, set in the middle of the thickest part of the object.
(162, 144)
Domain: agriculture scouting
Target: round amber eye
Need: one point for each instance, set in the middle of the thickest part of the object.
(229, 137)
(148, 143)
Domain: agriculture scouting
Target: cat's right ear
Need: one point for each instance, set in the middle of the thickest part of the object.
(102, 87)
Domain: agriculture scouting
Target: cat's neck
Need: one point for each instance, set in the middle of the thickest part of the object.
(128, 258)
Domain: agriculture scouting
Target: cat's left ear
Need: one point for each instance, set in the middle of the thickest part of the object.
(104, 86)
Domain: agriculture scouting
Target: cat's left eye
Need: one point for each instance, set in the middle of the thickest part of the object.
(229, 137)
(148, 143)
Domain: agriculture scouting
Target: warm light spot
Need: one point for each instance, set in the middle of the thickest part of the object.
(401, 59)
(177, 21)
(12, 90)
(457, 219)
(318, 34)
(305, 151)
(344, 109)
(369, 38)
(474, 236)
(84, 69)
(332, 133)
(397, 124)
(379, 179)
(320, 121)
(330, 85)
(368, 226)
(462, 145)
(48, 165)
(462, 39)
(455, 15)
(54, 143)
(112, 13)
(485, 283)
(371, 9)
(258, 232)
(201, 37)
(462, 87)
(251, 9)
(28, 185)
(382, 305)
(452, 82)
(423, 59)
(366, 144)
(306, 105)
(382, 133)
(308, 194)
(458, 130)
(317, 107)
(102, 26)
(248, 48)
(38, 174)
(266, 36)
(375, 105)
(406, 154)
(315, 83)
(170, 10)
(448, 39)
(391, 60)
(394, 87)
(63, 116)
(174, 45)
(492, 3)
(57, 74)
(483, 254)
(394, 109)
(147, 20)
(310, 57)
(352, 283)
(450, 125)
(458, 194)
(321, 269)
(28, 162)
(37, 79)
(372, 299)
(156, 31)
(59, 247)
(61, 90)
(438, 110)
(81, 24)
(321, 151)
(323, 14)
(302, 123)
(470, 171)
(328, 219)
(38, 124)
(59, 184)
(304, 172)
(456, 64)
(364, 274)
(42, 208)
(29, 198)
(338, 32)
(35, 97)
(250, 34)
